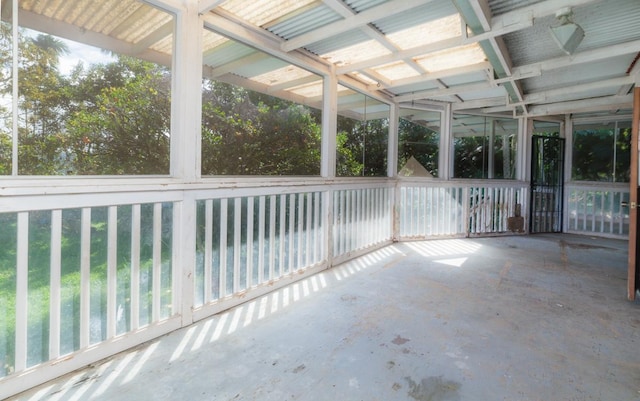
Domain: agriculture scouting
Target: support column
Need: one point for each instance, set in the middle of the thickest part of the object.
(328, 162)
(329, 124)
(392, 145)
(186, 89)
(186, 110)
(445, 155)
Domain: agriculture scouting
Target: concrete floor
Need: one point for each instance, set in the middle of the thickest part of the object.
(539, 317)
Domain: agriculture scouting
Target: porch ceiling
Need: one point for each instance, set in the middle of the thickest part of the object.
(484, 56)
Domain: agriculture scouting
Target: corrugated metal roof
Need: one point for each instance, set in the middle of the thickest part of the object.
(304, 22)
(604, 23)
(502, 6)
(427, 13)
(362, 5)
(402, 48)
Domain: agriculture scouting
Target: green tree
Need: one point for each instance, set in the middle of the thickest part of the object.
(420, 142)
(247, 133)
(121, 124)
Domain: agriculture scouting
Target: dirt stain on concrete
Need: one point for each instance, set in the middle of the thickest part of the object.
(399, 340)
(433, 389)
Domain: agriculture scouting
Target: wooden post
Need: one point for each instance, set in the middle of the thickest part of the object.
(633, 198)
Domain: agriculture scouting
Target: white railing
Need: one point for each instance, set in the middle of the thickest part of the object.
(458, 208)
(86, 275)
(82, 279)
(362, 219)
(245, 242)
(597, 209)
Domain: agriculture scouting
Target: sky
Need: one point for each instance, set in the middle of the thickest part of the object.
(81, 53)
(78, 52)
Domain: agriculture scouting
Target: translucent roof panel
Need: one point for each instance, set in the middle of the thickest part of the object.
(356, 53)
(261, 12)
(311, 91)
(282, 75)
(396, 71)
(452, 58)
(429, 32)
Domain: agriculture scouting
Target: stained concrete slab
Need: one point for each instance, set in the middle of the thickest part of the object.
(541, 317)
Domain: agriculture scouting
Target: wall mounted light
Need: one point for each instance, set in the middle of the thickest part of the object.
(568, 34)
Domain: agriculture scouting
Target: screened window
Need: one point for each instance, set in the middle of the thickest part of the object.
(260, 115)
(362, 137)
(484, 147)
(601, 151)
(418, 143)
(81, 109)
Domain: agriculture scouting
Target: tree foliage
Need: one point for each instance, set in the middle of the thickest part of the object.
(113, 118)
(420, 142)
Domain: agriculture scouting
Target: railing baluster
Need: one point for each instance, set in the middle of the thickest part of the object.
(135, 266)
(22, 292)
(85, 277)
(293, 236)
(157, 262)
(309, 229)
(272, 237)
(112, 269)
(208, 250)
(283, 230)
(250, 220)
(261, 234)
(55, 284)
(237, 242)
(224, 215)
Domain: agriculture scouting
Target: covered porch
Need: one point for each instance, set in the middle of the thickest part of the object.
(325, 195)
(518, 318)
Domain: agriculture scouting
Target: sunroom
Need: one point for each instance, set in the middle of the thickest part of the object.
(163, 161)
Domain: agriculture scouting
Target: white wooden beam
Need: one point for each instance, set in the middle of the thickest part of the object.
(582, 106)
(478, 104)
(432, 76)
(548, 95)
(588, 56)
(205, 6)
(225, 24)
(44, 24)
(232, 66)
(436, 93)
(503, 25)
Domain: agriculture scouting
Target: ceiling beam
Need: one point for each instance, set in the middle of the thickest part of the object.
(432, 76)
(61, 29)
(154, 37)
(582, 106)
(436, 93)
(524, 21)
(479, 104)
(309, 79)
(205, 6)
(254, 57)
(353, 22)
(227, 25)
(536, 69)
(548, 96)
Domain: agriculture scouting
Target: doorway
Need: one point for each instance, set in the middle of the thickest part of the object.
(547, 184)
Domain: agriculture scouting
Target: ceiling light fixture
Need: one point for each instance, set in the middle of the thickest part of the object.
(568, 34)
